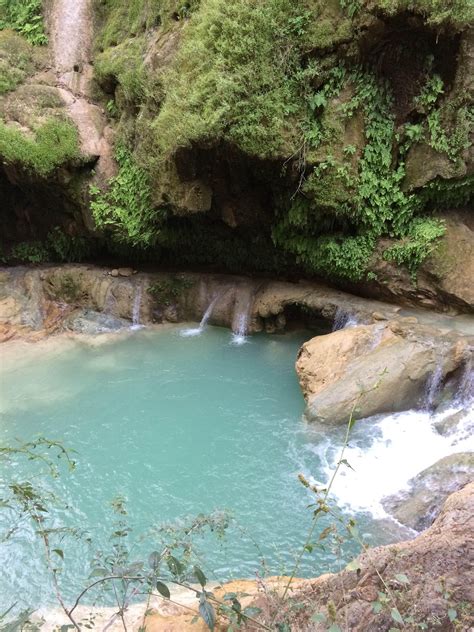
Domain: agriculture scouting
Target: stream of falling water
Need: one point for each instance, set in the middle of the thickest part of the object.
(136, 309)
(197, 331)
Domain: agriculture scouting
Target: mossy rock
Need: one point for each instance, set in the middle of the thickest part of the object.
(18, 60)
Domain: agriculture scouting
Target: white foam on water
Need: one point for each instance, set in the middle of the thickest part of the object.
(241, 326)
(386, 453)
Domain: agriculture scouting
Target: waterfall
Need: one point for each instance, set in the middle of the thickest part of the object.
(343, 319)
(465, 394)
(240, 324)
(197, 331)
(433, 385)
(137, 302)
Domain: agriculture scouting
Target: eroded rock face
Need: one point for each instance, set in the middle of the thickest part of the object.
(372, 369)
(440, 556)
(444, 280)
(420, 504)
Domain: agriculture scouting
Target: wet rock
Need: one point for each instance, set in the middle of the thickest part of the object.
(92, 323)
(171, 314)
(114, 273)
(370, 370)
(420, 504)
(450, 424)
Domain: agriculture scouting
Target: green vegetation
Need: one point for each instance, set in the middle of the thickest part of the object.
(58, 247)
(126, 206)
(122, 66)
(53, 144)
(418, 244)
(167, 291)
(242, 76)
(66, 248)
(122, 19)
(16, 60)
(229, 82)
(25, 17)
(30, 252)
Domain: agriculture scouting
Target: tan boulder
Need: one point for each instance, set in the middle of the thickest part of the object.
(372, 369)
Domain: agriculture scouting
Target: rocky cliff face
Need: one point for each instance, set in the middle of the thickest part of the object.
(318, 138)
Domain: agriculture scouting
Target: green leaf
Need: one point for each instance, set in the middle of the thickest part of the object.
(59, 552)
(200, 576)
(377, 606)
(319, 617)
(207, 612)
(251, 611)
(402, 578)
(334, 628)
(452, 614)
(396, 616)
(163, 589)
(175, 566)
(154, 560)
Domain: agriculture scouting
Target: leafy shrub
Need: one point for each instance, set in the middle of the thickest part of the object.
(30, 252)
(418, 244)
(67, 248)
(25, 17)
(126, 207)
(55, 143)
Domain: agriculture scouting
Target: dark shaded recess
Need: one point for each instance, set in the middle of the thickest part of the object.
(30, 208)
(244, 188)
(300, 317)
(206, 241)
(399, 49)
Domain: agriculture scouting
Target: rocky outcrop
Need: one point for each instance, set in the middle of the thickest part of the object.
(444, 281)
(420, 504)
(378, 368)
(26, 295)
(437, 566)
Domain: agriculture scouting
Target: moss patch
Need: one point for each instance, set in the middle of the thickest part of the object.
(53, 144)
(17, 60)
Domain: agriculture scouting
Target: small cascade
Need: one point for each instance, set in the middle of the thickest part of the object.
(197, 331)
(244, 298)
(33, 316)
(343, 319)
(137, 303)
(385, 454)
(465, 394)
(433, 386)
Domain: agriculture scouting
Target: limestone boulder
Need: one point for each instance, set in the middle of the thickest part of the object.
(373, 369)
(92, 323)
(418, 506)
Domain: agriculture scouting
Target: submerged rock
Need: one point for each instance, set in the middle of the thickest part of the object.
(92, 323)
(421, 503)
(381, 368)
